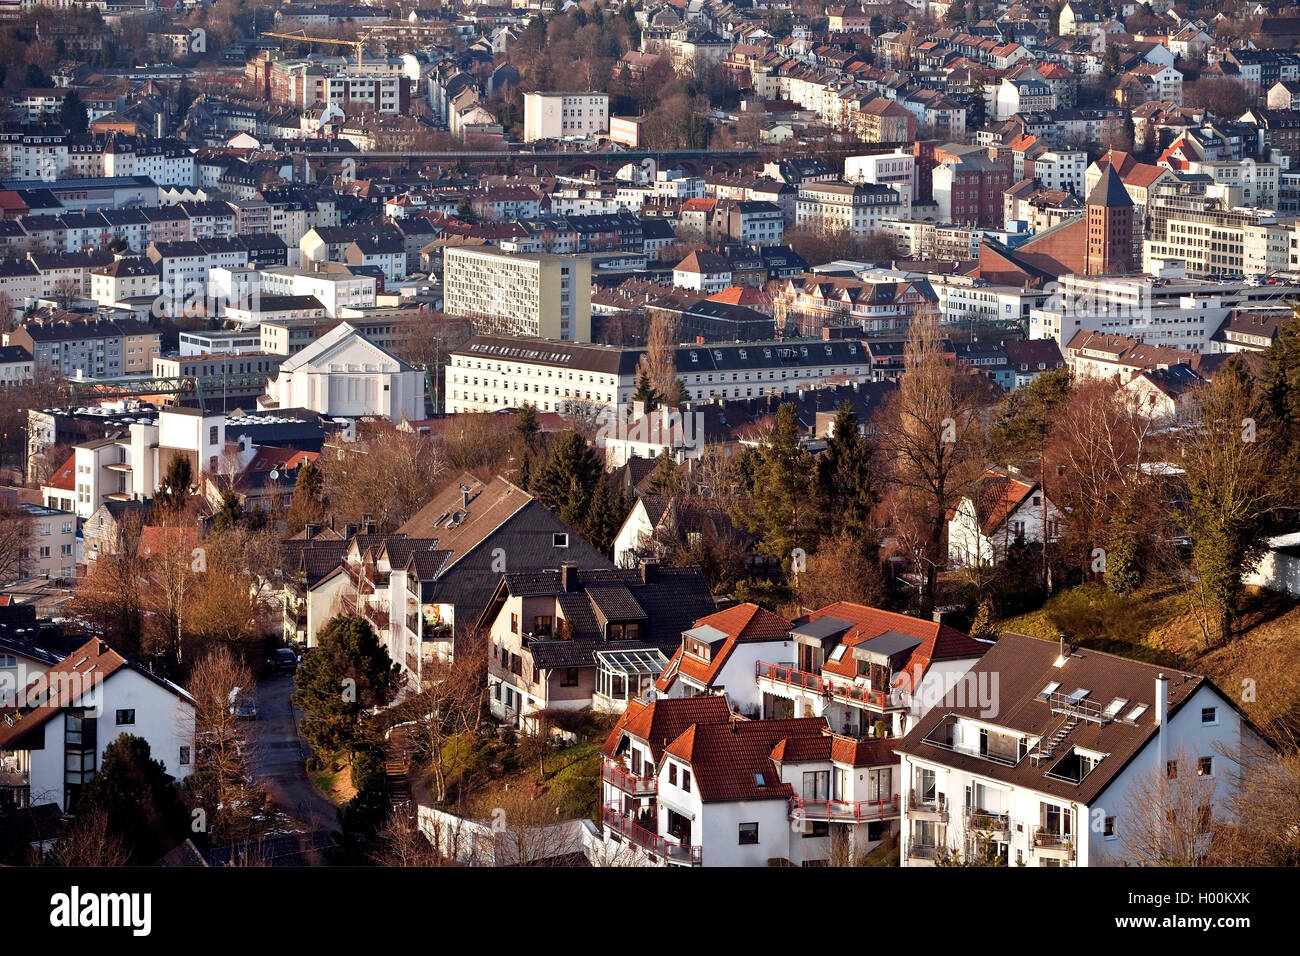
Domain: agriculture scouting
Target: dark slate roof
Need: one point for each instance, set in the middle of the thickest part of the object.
(1109, 191)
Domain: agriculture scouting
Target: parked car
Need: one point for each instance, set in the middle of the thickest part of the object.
(284, 659)
(246, 709)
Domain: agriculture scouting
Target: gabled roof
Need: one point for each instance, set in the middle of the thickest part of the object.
(64, 685)
(1024, 668)
(733, 761)
(742, 623)
(662, 721)
(333, 342)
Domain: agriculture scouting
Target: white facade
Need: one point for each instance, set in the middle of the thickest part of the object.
(344, 374)
(565, 115)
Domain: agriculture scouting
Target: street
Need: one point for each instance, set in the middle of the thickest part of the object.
(278, 757)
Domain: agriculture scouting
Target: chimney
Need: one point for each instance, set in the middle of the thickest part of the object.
(309, 530)
(569, 577)
(649, 570)
(349, 529)
(464, 496)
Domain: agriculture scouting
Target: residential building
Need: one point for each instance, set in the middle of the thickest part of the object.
(536, 294)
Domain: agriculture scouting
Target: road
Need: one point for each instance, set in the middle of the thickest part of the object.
(279, 757)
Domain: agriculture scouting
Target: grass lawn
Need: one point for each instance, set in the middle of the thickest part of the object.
(335, 785)
(572, 781)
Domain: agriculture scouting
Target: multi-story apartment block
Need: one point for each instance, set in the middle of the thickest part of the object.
(51, 548)
(533, 294)
(896, 169)
(71, 344)
(846, 207)
(565, 115)
(1058, 767)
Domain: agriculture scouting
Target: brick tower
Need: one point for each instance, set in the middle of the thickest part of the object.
(1110, 226)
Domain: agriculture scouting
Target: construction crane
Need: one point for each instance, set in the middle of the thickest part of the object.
(302, 35)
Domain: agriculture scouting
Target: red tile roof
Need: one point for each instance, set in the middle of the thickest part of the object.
(939, 642)
(662, 721)
(66, 682)
(744, 622)
(63, 479)
(733, 761)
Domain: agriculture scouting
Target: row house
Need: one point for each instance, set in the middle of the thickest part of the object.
(1072, 761)
(869, 673)
(684, 783)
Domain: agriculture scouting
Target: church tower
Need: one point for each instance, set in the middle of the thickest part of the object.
(1110, 226)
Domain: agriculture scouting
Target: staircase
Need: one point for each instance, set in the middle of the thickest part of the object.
(1048, 747)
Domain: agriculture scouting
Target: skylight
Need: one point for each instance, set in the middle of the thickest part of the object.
(838, 653)
(1078, 695)
(1136, 712)
(1049, 690)
(1114, 707)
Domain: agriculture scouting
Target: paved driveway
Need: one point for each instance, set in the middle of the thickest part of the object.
(279, 757)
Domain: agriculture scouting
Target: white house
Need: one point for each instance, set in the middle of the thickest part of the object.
(1070, 760)
(720, 655)
(685, 784)
(343, 373)
(53, 738)
(1002, 508)
(1278, 569)
(868, 672)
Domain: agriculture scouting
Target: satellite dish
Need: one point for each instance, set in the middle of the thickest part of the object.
(275, 475)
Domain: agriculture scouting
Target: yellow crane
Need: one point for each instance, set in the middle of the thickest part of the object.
(302, 35)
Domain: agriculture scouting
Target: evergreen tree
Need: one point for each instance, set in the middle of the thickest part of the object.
(847, 489)
(567, 479)
(348, 673)
(782, 509)
(175, 485)
(230, 512)
(665, 479)
(525, 446)
(73, 115)
(307, 503)
(645, 391)
(136, 792)
(609, 509)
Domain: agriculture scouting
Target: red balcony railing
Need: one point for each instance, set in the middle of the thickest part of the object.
(843, 811)
(814, 683)
(651, 842)
(628, 783)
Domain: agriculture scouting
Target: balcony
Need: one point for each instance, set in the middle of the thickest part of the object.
(788, 677)
(997, 826)
(842, 811)
(622, 780)
(934, 808)
(923, 854)
(1049, 843)
(678, 854)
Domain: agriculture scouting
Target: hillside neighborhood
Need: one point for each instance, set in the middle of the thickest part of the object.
(649, 433)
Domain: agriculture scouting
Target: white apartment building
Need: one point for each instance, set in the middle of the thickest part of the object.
(1047, 755)
(490, 373)
(535, 294)
(334, 290)
(131, 466)
(896, 169)
(1179, 313)
(565, 115)
(854, 208)
(1062, 169)
(686, 784)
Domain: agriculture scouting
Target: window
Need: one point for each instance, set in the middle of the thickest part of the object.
(686, 780)
(185, 756)
(1171, 769)
(560, 540)
(748, 834)
(125, 717)
(1108, 828)
(514, 623)
(1209, 715)
(212, 435)
(816, 828)
(672, 774)
(1205, 767)
(570, 677)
